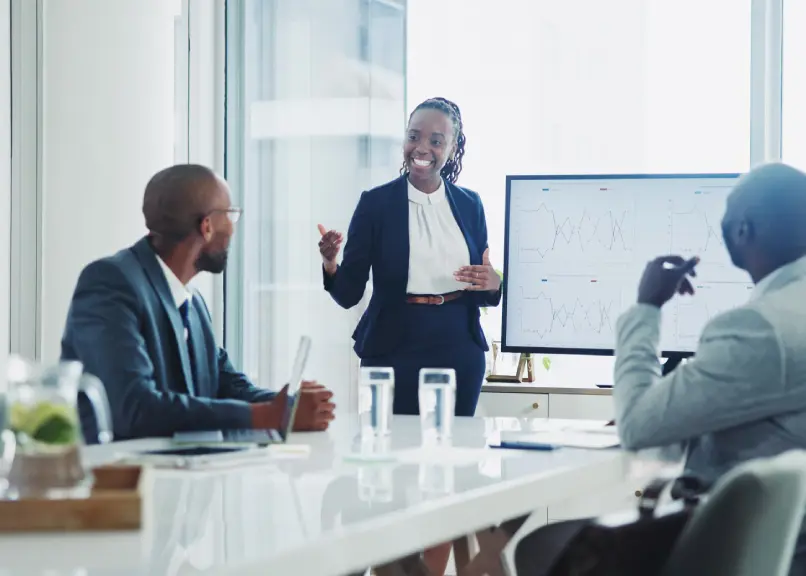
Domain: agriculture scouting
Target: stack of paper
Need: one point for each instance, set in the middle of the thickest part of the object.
(574, 435)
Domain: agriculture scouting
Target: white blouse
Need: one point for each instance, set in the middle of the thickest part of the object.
(437, 247)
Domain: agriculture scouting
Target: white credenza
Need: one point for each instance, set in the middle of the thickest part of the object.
(525, 401)
(528, 401)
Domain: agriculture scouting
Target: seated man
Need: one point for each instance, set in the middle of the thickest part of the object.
(743, 395)
(135, 323)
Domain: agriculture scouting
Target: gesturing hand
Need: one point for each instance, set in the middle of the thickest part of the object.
(664, 277)
(329, 246)
(479, 278)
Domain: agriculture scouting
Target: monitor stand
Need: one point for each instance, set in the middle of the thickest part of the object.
(671, 363)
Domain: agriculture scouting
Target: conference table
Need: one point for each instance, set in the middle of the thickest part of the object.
(313, 507)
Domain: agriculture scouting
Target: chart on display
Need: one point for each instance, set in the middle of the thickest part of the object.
(576, 246)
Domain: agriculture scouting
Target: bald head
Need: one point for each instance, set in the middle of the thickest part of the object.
(765, 219)
(176, 198)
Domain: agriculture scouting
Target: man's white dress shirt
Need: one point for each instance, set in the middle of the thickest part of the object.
(178, 290)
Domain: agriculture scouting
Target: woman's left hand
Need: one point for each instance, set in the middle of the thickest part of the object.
(479, 278)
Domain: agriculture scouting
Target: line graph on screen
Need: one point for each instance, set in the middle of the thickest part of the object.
(563, 311)
(578, 233)
(695, 226)
(576, 247)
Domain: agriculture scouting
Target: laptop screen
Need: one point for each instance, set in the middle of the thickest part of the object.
(294, 384)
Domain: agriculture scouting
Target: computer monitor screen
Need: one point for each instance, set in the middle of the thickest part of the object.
(576, 246)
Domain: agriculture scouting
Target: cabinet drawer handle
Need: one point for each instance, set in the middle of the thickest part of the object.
(638, 493)
(535, 406)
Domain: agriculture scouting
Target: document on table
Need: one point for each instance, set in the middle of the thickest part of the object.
(570, 437)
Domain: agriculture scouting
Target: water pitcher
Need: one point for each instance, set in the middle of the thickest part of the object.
(42, 439)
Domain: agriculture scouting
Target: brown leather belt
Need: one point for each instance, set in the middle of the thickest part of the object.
(434, 300)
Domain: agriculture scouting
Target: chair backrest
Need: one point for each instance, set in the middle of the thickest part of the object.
(749, 524)
(535, 521)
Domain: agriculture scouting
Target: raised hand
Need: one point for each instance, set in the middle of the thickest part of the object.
(329, 246)
(664, 277)
(479, 278)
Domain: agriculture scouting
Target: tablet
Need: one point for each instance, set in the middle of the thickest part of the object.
(193, 451)
(190, 457)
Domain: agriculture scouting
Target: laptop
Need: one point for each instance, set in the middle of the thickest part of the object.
(201, 448)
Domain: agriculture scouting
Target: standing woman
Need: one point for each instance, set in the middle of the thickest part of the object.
(425, 240)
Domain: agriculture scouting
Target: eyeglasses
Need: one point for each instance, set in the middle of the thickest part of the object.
(234, 214)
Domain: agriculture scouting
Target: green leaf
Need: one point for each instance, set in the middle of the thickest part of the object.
(546, 362)
(56, 430)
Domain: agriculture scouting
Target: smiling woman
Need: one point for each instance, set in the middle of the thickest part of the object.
(423, 152)
(425, 240)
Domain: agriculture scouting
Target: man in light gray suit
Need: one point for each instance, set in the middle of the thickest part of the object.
(743, 395)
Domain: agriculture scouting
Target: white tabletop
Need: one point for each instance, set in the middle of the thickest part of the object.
(320, 514)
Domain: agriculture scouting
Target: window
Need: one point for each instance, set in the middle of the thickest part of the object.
(584, 86)
(181, 85)
(794, 84)
(315, 101)
(5, 177)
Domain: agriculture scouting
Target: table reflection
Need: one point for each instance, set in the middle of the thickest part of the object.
(200, 521)
(387, 488)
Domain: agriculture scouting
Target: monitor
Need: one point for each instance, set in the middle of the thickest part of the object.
(575, 248)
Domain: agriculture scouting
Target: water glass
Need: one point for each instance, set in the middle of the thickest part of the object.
(437, 394)
(376, 391)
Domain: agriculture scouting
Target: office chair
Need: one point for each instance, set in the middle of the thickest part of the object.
(749, 523)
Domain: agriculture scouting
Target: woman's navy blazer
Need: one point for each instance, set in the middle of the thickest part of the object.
(378, 240)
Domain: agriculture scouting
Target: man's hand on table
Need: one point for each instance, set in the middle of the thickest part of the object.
(316, 409)
(314, 412)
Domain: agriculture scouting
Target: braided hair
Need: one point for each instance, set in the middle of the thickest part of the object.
(453, 167)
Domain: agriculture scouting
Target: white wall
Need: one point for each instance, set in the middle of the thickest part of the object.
(5, 178)
(108, 122)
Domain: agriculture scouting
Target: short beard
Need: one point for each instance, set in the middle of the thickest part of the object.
(214, 263)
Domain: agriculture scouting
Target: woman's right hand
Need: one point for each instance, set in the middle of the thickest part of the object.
(329, 247)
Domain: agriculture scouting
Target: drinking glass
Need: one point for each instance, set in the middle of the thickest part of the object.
(437, 395)
(375, 394)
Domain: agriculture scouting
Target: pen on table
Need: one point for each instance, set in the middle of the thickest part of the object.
(526, 446)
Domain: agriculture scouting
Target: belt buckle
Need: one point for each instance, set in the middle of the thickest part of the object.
(441, 300)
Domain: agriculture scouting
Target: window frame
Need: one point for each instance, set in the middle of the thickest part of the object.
(766, 78)
(26, 179)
